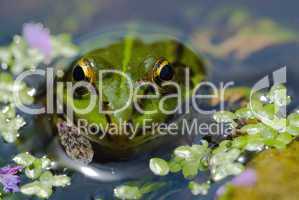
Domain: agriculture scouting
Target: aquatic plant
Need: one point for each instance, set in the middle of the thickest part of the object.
(256, 126)
(9, 178)
(136, 190)
(35, 48)
(38, 170)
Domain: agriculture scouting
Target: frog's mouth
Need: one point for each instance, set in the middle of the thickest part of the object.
(125, 137)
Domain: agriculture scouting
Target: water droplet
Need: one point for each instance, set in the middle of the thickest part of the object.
(32, 92)
(4, 66)
(242, 159)
(264, 99)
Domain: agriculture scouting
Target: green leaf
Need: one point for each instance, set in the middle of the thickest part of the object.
(292, 130)
(255, 106)
(150, 187)
(199, 189)
(293, 120)
(255, 143)
(34, 170)
(24, 57)
(252, 129)
(223, 146)
(220, 172)
(244, 113)
(10, 123)
(62, 46)
(267, 113)
(174, 166)
(46, 162)
(285, 138)
(24, 159)
(268, 132)
(190, 169)
(38, 189)
(61, 181)
(184, 152)
(239, 142)
(278, 95)
(159, 166)
(47, 178)
(127, 192)
(224, 116)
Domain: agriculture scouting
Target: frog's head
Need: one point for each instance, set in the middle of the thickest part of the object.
(134, 85)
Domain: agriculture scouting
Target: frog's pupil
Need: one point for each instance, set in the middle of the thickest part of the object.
(166, 73)
(78, 74)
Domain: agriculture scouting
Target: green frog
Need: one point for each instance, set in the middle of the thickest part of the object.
(114, 128)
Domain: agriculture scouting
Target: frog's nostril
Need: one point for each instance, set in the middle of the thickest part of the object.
(78, 74)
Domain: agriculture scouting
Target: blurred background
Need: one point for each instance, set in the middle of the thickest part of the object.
(253, 36)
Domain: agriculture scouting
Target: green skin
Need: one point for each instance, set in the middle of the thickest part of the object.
(136, 58)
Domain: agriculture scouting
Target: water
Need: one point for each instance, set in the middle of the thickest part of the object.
(192, 19)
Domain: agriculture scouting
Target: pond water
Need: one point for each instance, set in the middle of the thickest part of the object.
(242, 41)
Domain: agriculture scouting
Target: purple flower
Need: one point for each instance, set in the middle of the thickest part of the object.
(9, 179)
(246, 178)
(38, 37)
(220, 191)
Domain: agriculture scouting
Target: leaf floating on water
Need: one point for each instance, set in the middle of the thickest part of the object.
(278, 95)
(184, 152)
(37, 169)
(199, 189)
(224, 116)
(46, 162)
(63, 46)
(159, 166)
(34, 170)
(55, 180)
(8, 90)
(190, 169)
(10, 123)
(37, 188)
(244, 113)
(24, 159)
(127, 192)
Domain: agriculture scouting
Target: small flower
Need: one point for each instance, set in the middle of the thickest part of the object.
(246, 178)
(9, 179)
(220, 191)
(38, 37)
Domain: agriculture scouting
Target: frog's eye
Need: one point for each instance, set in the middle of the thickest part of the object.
(83, 71)
(163, 71)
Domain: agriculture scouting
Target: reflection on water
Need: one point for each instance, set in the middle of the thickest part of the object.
(248, 40)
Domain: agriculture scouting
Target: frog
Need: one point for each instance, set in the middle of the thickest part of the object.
(149, 66)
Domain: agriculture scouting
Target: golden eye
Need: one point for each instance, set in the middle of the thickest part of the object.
(83, 71)
(163, 71)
